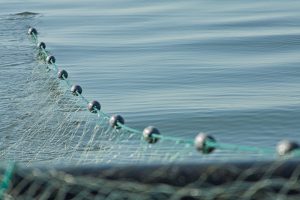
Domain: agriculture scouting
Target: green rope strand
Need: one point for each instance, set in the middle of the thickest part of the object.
(234, 147)
(6, 179)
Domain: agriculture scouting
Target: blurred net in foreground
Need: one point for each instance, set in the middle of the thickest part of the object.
(251, 181)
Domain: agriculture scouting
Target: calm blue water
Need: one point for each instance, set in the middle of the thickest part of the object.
(231, 69)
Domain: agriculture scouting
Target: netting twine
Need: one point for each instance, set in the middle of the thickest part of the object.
(208, 143)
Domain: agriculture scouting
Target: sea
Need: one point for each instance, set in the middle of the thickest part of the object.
(230, 69)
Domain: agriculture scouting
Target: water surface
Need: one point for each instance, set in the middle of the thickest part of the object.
(230, 69)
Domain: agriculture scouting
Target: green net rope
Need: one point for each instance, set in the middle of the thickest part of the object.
(7, 178)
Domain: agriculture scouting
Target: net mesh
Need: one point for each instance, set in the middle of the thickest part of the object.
(264, 181)
(66, 132)
(57, 129)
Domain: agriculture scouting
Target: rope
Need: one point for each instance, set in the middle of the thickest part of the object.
(6, 179)
(207, 144)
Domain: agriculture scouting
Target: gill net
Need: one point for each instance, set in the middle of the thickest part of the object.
(59, 130)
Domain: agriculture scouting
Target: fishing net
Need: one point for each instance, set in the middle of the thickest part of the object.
(62, 128)
(227, 181)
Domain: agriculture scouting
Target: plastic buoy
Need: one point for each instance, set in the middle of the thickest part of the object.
(285, 147)
(115, 119)
(148, 134)
(94, 106)
(200, 143)
(50, 59)
(41, 45)
(76, 89)
(32, 31)
(62, 74)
